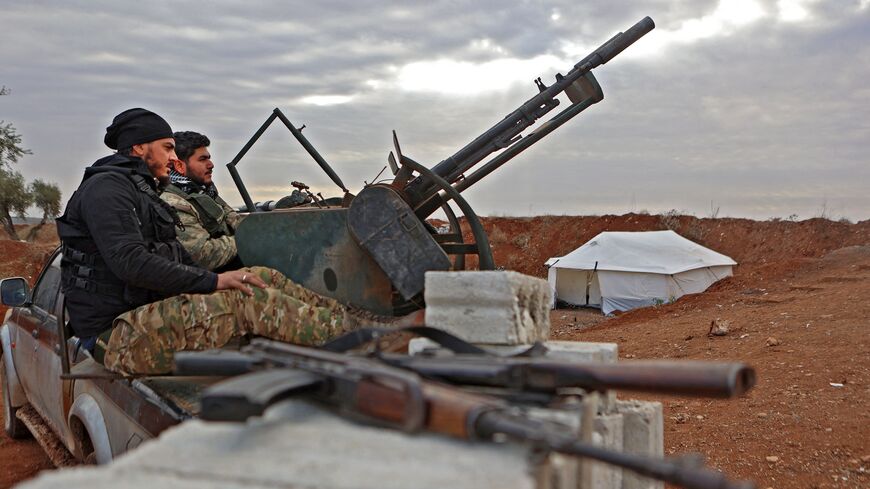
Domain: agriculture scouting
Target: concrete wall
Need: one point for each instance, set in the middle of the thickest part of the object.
(298, 445)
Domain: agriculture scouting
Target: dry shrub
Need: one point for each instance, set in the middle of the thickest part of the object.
(689, 227)
(498, 236)
(513, 262)
(671, 220)
(521, 241)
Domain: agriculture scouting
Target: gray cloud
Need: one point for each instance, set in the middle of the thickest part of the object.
(766, 119)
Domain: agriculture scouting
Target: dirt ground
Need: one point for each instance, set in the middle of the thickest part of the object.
(797, 312)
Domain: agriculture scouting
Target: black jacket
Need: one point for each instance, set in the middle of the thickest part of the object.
(120, 247)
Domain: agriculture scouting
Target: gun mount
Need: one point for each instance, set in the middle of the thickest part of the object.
(373, 249)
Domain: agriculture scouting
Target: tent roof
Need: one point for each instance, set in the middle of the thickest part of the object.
(651, 251)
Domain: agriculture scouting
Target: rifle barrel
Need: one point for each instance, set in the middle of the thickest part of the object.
(693, 378)
(690, 378)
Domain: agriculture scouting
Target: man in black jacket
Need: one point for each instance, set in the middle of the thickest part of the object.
(123, 268)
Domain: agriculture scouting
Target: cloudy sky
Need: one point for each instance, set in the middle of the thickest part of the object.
(753, 108)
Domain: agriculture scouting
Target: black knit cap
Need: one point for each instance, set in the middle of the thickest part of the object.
(136, 126)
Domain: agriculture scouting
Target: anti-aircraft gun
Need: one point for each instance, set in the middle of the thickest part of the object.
(371, 250)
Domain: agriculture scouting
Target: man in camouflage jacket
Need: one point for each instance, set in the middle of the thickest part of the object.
(207, 223)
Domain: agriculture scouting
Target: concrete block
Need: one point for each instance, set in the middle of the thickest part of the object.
(559, 471)
(300, 446)
(573, 351)
(609, 433)
(583, 351)
(565, 471)
(643, 434)
(492, 307)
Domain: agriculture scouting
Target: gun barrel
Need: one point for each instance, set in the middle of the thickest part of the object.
(619, 42)
(508, 131)
(703, 379)
(688, 378)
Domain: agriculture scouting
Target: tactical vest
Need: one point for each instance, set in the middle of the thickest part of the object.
(83, 269)
(212, 215)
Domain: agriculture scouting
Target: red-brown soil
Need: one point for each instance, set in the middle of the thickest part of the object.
(798, 314)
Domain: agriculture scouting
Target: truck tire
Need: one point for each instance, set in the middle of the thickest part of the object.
(12, 425)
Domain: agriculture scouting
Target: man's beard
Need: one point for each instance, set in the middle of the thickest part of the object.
(149, 159)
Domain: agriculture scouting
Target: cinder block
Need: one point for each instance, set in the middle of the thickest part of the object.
(608, 434)
(643, 434)
(583, 351)
(565, 471)
(492, 307)
(560, 471)
(575, 351)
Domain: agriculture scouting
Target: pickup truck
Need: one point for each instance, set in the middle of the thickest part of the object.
(94, 413)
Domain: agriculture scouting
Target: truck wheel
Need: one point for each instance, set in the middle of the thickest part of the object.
(13, 426)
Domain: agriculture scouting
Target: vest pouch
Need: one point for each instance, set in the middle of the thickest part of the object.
(211, 214)
(164, 224)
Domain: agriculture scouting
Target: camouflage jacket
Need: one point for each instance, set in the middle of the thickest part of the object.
(208, 229)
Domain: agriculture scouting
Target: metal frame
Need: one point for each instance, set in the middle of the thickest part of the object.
(297, 133)
(484, 251)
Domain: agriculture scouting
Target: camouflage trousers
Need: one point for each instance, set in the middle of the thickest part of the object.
(144, 340)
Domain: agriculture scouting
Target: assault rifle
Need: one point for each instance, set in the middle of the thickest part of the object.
(399, 397)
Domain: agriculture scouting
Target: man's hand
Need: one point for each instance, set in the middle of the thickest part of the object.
(241, 280)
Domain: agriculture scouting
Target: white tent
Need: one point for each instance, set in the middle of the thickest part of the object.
(618, 271)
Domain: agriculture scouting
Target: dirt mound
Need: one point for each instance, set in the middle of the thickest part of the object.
(44, 234)
(20, 259)
(524, 244)
(36, 233)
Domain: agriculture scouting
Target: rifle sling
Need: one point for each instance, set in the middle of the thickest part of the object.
(453, 343)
